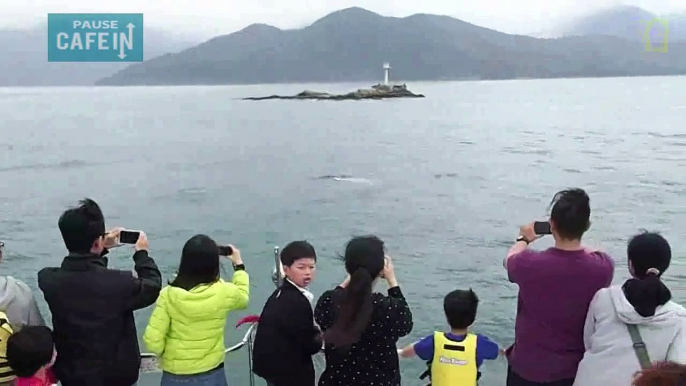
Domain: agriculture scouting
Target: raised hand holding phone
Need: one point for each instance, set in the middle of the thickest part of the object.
(225, 250)
(388, 273)
(235, 255)
(141, 242)
(112, 238)
(528, 232)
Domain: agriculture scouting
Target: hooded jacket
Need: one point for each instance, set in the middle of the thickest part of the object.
(610, 359)
(18, 302)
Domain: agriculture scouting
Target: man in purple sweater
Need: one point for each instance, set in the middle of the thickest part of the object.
(556, 286)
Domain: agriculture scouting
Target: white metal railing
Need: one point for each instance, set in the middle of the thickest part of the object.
(150, 363)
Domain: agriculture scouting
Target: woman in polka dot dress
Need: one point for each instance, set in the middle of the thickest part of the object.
(361, 328)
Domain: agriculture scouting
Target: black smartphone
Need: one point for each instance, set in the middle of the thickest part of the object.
(225, 250)
(129, 236)
(542, 228)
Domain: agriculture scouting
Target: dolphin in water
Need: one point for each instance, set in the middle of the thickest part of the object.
(344, 178)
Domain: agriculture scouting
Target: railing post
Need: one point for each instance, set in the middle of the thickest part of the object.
(277, 278)
(252, 376)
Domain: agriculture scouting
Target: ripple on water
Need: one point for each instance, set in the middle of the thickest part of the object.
(609, 168)
(70, 164)
(531, 151)
(663, 135)
(590, 151)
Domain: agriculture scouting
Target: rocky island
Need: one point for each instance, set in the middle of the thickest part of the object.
(379, 91)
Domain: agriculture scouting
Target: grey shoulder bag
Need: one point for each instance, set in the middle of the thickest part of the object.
(639, 347)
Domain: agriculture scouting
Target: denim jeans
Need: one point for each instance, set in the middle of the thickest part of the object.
(210, 378)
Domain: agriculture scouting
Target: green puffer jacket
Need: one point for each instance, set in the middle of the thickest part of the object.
(186, 328)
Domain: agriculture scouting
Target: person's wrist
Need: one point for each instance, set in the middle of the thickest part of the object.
(522, 238)
(392, 281)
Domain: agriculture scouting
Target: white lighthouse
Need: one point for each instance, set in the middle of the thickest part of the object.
(386, 70)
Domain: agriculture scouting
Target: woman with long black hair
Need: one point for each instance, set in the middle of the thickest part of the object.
(186, 328)
(640, 310)
(360, 327)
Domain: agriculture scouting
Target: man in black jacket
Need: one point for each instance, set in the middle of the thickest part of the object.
(286, 335)
(92, 306)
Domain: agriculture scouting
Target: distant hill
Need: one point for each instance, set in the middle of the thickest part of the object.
(24, 59)
(627, 22)
(352, 44)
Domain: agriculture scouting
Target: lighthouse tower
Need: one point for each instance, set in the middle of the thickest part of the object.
(386, 70)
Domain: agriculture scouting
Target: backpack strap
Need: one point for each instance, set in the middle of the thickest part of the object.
(639, 347)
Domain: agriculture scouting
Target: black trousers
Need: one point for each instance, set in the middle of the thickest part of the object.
(515, 380)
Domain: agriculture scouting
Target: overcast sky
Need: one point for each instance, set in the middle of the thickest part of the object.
(206, 18)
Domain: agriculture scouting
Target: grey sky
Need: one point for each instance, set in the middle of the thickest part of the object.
(206, 18)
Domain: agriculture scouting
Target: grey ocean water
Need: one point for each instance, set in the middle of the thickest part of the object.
(451, 177)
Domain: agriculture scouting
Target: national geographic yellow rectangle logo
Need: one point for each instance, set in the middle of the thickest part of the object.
(659, 45)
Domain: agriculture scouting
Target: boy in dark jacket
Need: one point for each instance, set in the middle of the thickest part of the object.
(286, 335)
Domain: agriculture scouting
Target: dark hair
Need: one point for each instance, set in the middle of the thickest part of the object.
(81, 226)
(571, 212)
(460, 308)
(646, 291)
(664, 373)
(199, 263)
(364, 261)
(297, 250)
(29, 349)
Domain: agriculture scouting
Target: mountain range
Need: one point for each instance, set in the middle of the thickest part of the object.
(351, 44)
(24, 61)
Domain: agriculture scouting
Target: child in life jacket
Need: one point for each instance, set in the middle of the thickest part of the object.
(31, 354)
(454, 357)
